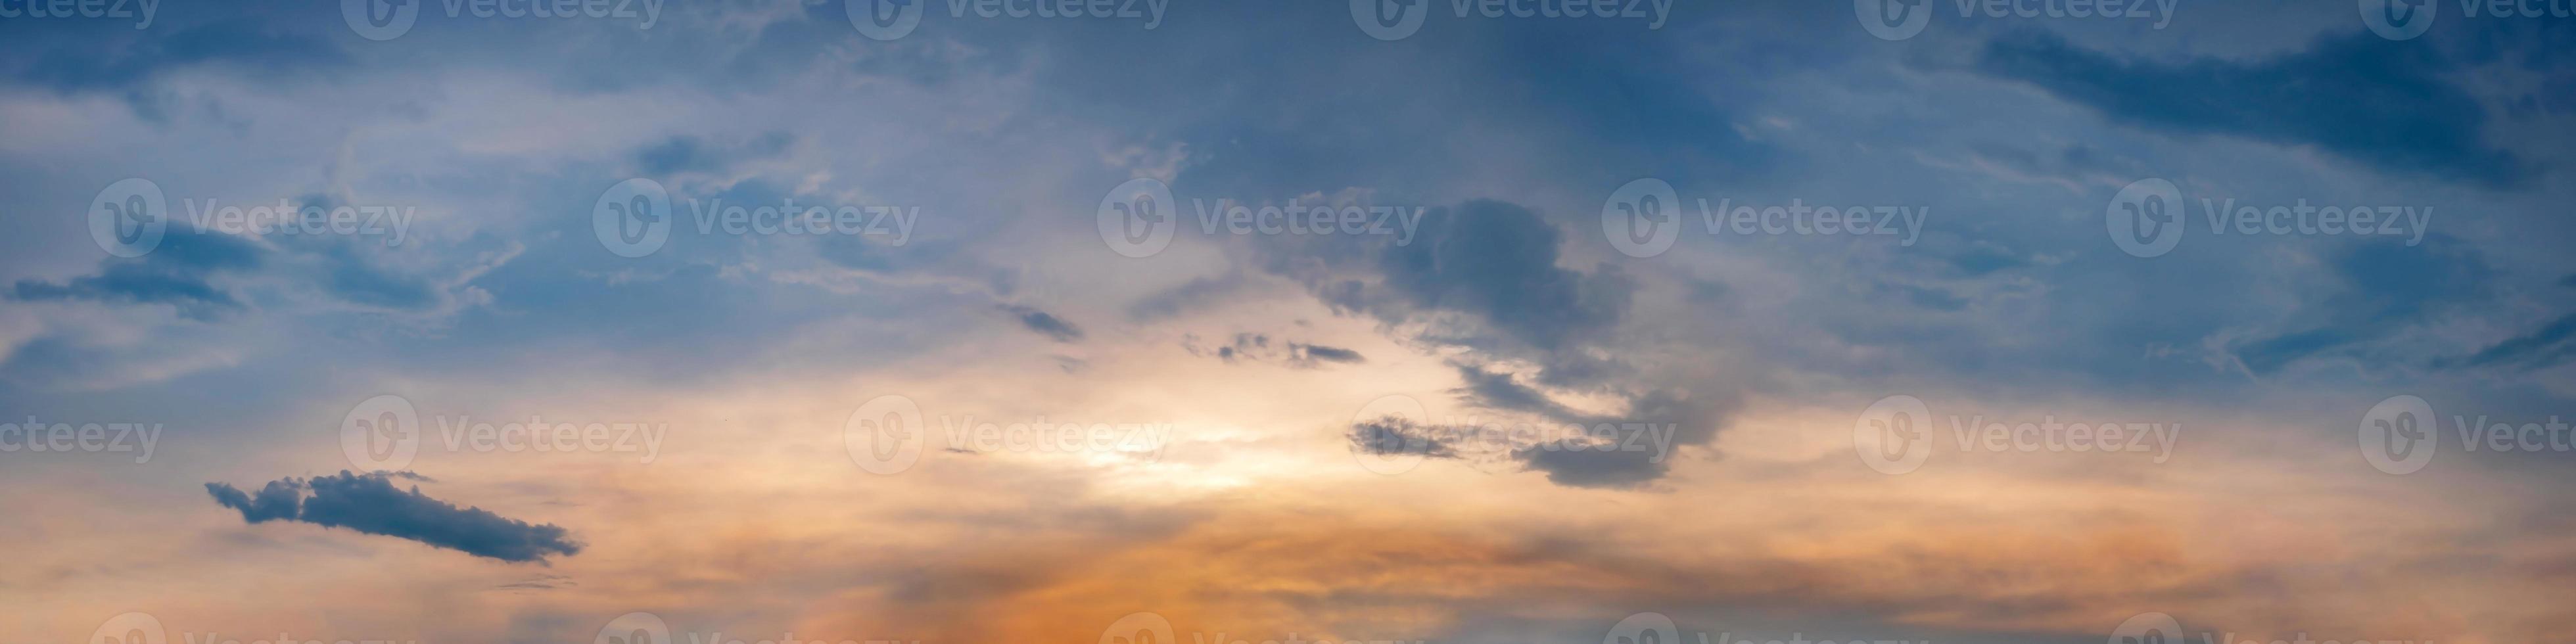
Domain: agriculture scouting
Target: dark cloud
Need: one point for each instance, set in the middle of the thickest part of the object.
(2384, 286)
(2383, 103)
(1043, 322)
(1309, 354)
(1396, 436)
(1586, 464)
(692, 154)
(1497, 261)
(174, 273)
(2548, 346)
(370, 503)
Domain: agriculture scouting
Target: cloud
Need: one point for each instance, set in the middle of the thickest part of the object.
(370, 503)
(1395, 436)
(1310, 354)
(1045, 323)
(2386, 104)
(175, 273)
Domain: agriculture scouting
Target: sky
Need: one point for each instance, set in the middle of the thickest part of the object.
(1277, 322)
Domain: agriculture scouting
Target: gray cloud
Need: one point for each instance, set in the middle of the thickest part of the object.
(369, 503)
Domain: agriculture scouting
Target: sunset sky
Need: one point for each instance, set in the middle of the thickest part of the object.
(1287, 321)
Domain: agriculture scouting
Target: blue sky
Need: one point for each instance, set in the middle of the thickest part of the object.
(1479, 171)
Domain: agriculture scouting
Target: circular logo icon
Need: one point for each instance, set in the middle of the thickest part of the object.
(130, 628)
(1894, 435)
(382, 433)
(634, 628)
(2399, 19)
(2148, 628)
(2146, 218)
(884, 19)
(885, 436)
(1644, 628)
(1138, 217)
(1642, 218)
(2398, 435)
(1893, 20)
(128, 218)
(1388, 435)
(633, 218)
(380, 20)
(1389, 19)
(1138, 628)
